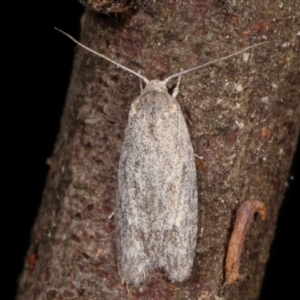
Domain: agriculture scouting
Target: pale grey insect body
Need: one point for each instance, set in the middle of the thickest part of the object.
(157, 191)
(156, 207)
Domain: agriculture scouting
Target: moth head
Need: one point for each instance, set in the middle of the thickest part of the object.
(156, 85)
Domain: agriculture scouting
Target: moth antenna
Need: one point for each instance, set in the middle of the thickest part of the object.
(211, 62)
(103, 56)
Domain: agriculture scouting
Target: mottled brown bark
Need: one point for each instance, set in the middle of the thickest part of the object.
(243, 116)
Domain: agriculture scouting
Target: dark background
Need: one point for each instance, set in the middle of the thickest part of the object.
(37, 81)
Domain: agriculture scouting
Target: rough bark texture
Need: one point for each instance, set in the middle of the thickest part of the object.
(243, 117)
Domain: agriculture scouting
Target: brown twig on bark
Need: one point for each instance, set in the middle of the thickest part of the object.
(244, 218)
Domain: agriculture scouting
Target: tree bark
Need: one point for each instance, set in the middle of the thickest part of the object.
(243, 116)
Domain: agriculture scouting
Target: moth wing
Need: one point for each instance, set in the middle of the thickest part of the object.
(157, 197)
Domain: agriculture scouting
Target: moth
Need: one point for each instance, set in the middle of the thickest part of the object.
(157, 201)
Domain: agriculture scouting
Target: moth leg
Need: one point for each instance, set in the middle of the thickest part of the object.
(198, 156)
(111, 215)
(176, 89)
(141, 83)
